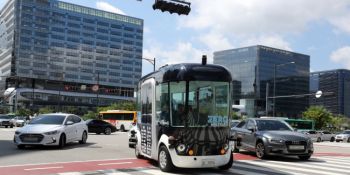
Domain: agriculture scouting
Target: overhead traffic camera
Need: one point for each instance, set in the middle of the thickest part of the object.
(173, 6)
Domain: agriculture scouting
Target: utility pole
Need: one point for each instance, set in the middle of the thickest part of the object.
(98, 89)
(267, 99)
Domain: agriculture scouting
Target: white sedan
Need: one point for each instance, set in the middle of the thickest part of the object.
(52, 129)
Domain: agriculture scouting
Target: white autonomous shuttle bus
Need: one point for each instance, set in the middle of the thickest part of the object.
(183, 117)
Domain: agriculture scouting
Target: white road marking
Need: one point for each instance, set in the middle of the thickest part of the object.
(43, 168)
(115, 163)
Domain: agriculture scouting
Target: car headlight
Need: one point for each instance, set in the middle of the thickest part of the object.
(276, 141)
(181, 148)
(17, 132)
(51, 132)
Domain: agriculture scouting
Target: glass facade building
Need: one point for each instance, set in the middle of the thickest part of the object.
(252, 70)
(335, 85)
(58, 46)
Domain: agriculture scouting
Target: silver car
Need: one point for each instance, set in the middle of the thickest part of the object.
(326, 136)
(18, 121)
(343, 136)
(52, 129)
(5, 121)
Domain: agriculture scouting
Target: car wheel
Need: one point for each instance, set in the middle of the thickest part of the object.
(304, 157)
(6, 126)
(235, 147)
(348, 139)
(122, 128)
(260, 150)
(21, 146)
(337, 140)
(332, 139)
(319, 139)
(228, 165)
(164, 160)
(83, 138)
(62, 141)
(11, 126)
(108, 131)
(98, 133)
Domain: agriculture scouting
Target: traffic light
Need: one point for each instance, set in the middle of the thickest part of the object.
(176, 6)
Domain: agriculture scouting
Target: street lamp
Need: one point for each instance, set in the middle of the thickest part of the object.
(274, 84)
(152, 61)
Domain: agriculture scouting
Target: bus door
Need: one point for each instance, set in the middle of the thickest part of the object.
(147, 105)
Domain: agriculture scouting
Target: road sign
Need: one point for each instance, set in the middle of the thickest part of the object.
(95, 88)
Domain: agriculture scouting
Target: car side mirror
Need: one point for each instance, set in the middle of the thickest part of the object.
(251, 129)
(69, 123)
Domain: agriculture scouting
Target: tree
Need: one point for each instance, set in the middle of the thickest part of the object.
(45, 110)
(319, 114)
(23, 112)
(125, 105)
(339, 121)
(90, 115)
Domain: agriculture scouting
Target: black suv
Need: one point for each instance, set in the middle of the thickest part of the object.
(271, 137)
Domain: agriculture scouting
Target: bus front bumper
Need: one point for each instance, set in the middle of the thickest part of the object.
(199, 161)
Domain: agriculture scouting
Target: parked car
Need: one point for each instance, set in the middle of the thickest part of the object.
(52, 129)
(5, 120)
(271, 137)
(343, 136)
(100, 126)
(18, 121)
(326, 136)
(314, 135)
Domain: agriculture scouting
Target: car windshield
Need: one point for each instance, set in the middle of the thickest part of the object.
(272, 125)
(5, 117)
(345, 132)
(48, 120)
(20, 118)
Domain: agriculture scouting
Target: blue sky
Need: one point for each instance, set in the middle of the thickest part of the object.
(320, 29)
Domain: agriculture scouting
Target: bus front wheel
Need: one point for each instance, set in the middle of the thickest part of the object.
(164, 160)
(137, 153)
(228, 165)
(122, 128)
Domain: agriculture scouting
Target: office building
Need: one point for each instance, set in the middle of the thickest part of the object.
(253, 69)
(335, 85)
(62, 54)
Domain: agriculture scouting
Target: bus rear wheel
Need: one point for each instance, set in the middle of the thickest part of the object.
(164, 160)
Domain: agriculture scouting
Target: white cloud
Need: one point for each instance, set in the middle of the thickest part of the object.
(271, 41)
(182, 52)
(215, 41)
(108, 7)
(342, 55)
(265, 17)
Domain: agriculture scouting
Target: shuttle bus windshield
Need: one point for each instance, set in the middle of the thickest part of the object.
(207, 104)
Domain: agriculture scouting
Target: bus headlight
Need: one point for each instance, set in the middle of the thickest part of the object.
(181, 148)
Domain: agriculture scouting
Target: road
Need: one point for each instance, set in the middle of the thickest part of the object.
(111, 155)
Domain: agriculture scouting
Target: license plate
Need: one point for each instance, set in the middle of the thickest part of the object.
(30, 139)
(296, 147)
(208, 163)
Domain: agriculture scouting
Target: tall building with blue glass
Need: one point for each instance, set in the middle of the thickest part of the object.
(257, 67)
(335, 84)
(54, 53)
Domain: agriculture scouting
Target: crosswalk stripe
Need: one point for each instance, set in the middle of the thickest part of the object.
(258, 168)
(301, 164)
(268, 164)
(243, 172)
(154, 171)
(337, 162)
(336, 159)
